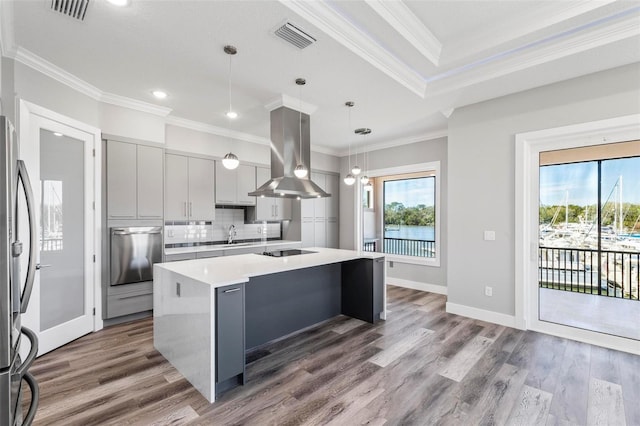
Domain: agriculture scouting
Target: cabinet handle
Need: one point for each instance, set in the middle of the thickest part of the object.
(178, 289)
(185, 209)
(232, 290)
(190, 208)
(276, 206)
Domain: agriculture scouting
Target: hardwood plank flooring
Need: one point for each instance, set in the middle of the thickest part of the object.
(422, 366)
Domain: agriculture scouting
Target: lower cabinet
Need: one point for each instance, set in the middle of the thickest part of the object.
(179, 256)
(363, 289)
(230, 338)
(129, 299)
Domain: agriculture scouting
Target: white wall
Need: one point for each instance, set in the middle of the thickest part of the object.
(420, 152)
(481, 155)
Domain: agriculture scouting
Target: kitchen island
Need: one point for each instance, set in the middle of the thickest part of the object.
(209, 312)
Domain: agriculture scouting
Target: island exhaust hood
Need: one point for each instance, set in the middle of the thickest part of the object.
(287, 127)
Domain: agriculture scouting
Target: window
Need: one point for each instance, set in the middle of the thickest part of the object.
(400, 214)
(589, 226)
(409, 216)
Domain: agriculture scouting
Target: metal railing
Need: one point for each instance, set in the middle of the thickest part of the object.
(369, 246)
(51, 244)
(607, 273)
(406, 247)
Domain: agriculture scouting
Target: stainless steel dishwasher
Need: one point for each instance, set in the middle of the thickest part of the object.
(134, 250)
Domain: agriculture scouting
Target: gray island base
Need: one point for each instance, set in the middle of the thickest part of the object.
(208, 313)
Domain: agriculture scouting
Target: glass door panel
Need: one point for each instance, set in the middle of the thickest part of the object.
(62, 230)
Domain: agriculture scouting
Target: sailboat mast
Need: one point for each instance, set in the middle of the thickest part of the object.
(621, 207)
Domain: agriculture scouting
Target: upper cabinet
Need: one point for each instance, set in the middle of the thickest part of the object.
(134, 181)
(189, 189)
(270, 208)
(232, 186)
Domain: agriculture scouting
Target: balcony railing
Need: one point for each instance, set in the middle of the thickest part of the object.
(607, 273)
(405, 247)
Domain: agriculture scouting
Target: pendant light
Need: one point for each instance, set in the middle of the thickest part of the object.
(349, 179)
(301, 170)
(364, 179)
(356, 170)
(230, 161)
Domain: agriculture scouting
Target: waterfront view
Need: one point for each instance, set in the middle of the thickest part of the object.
(589, 220)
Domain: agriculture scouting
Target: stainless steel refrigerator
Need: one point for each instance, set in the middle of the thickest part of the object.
(14, 289)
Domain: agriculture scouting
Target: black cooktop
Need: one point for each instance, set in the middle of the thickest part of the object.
(284, 253)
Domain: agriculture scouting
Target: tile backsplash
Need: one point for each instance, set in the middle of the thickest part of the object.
(218, 230)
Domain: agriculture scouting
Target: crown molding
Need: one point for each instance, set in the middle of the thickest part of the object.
(403, 20)
(556, 47)
(292, 103)
(436, 134)
(215, 130)
(45, 67)
(545, 15)
(328, 20)
(134, 104)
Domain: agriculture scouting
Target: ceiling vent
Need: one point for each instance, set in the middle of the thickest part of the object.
(294, 35)
(74, 8)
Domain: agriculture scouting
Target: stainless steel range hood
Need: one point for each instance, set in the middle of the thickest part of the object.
(286, 131)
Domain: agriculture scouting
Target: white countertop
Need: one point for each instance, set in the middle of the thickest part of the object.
(222, 271)
(221, 247)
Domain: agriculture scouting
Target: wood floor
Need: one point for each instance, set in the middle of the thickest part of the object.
(420, 367)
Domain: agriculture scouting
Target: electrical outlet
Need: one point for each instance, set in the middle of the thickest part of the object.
(259, 230)
(390, 264)
(488, 291)
(489, 235)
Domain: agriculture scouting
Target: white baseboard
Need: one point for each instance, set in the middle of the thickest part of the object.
(431, 288)
(481, 314)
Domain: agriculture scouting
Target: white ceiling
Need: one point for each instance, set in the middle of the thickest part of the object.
(406, 64)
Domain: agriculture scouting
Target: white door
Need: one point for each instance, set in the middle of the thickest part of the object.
(60, 160)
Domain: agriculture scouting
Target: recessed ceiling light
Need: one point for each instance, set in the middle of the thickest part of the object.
(119, 3)
(159, 94)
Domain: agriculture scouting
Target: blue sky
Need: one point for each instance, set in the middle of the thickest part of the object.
(581, 181)
(410, 192)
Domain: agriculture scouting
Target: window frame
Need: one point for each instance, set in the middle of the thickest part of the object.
(429, 167)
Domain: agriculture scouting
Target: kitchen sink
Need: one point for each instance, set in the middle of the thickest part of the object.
(238, 245)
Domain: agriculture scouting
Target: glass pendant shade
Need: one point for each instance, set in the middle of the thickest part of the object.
(232, 114)
(301, 171)
(230, 161)
(349, 179)
(356, 170)
(364, 179)
(368, 186)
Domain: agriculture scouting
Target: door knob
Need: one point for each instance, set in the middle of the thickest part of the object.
(39, 266)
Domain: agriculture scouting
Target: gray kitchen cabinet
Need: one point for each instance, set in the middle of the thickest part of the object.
(179, 256)
(189, 188)
(209, 254)
(202, 203)
(128, 299)
(176, 187)
(225, 184)
(149, 178)
(134, 181)
(319, 216)
(270, 208)
(232, 186)
(230, 336)
(121, 180)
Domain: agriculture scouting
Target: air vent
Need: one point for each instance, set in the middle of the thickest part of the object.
(74, 8)
(294, 35)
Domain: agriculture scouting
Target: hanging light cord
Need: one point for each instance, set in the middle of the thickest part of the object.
(300, 117)
(349, 133)
(230, 109)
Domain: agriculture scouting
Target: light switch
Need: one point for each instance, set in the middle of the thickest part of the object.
(489, 235)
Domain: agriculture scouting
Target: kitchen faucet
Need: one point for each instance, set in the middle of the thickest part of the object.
(232, 234)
